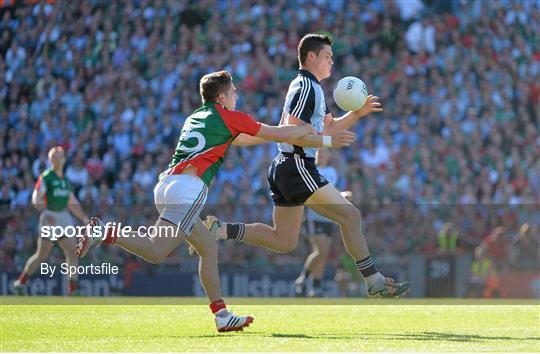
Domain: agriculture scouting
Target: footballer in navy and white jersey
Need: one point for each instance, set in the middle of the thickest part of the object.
(293, 176)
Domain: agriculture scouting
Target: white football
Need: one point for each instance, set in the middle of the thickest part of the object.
(350, 93)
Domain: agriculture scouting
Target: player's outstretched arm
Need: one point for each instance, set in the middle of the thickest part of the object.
(341, 139)
(338, 140)
(76, 209)
(269, 133)
(346, 121)
(284, 133)
(247, 140)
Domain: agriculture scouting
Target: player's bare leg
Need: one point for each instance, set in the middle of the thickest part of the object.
(302, 282)
(328, 202)
(43, 250)
(153, 249)
(316, 261)
(68, 245)
(311, 275)
(156, 250)
(44, 247)
(206, 247)
(282, 238)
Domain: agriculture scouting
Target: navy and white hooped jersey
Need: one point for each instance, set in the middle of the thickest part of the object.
(305, 100)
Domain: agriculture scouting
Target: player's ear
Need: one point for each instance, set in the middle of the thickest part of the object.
(221, 97)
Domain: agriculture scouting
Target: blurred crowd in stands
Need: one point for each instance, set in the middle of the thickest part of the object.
(455, 153)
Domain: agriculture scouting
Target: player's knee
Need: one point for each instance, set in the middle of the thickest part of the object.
(156, 257)
(287, 246)
(350, 216)
(209, 250)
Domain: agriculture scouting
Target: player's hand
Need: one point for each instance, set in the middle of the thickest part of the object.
(343, 138)
(372, 105)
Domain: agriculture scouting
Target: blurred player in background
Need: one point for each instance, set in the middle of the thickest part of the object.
(295, 181)
(53, 196)
(181, 191)
(320, 231)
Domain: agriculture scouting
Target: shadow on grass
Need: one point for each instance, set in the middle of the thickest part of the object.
(422, 336)
(442, 336)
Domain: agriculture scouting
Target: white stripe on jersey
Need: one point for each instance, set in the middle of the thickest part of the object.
(301, 88)
(304, 93)
(310, 94)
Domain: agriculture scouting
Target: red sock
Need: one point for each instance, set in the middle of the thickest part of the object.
(111, 235)
(23, 278)
(217, 306)
(72, 286)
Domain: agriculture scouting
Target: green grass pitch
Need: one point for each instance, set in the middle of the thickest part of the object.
(180, 324)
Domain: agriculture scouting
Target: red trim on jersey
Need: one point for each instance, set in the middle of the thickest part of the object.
(38, 183)
(203, 161)
(238, 122)
(37, 186)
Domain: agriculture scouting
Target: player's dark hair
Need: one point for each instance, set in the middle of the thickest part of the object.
(312, 43)
(211, 85)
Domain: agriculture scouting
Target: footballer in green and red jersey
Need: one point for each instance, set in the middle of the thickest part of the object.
(55, 190)
(53, 197)
(205, 138)
(182, 189)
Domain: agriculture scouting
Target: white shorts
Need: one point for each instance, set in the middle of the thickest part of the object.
(60, 218)
(180, 199)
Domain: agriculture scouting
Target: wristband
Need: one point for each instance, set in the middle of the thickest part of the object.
(327, 141)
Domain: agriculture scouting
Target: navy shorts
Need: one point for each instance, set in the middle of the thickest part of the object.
(293, 178)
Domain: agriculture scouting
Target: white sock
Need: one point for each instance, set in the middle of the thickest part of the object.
(376, 281)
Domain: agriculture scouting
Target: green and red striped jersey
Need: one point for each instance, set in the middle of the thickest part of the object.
(54, 190)
(205, 138)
